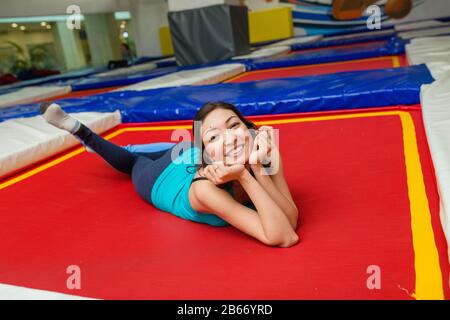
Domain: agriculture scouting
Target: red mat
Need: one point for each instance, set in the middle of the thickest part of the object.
(323, 68)
(347, 175)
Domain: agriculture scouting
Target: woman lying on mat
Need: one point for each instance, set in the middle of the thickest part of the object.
(235, 184)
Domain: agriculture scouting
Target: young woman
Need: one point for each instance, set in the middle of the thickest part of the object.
(220, 179)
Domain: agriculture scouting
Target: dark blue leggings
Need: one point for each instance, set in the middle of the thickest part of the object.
(144, 168)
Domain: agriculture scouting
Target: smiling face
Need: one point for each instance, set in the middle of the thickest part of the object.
(225, 137)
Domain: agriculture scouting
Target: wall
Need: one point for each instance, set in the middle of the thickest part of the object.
(261, 4)
(26, 38)
(147, 17)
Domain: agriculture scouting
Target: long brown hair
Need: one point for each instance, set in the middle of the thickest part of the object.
(204, 111)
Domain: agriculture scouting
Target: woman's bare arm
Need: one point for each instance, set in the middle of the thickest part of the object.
(277, 188)
(265, 149)
(280, 181)
(268, 224)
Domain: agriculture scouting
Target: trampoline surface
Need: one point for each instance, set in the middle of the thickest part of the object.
(363, 182)
(322, 68)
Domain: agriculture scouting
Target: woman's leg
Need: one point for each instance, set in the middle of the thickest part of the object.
(121, 159)
(143, 170)
(153, 151)
(149, 147)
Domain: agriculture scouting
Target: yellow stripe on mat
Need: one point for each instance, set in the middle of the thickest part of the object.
(426, 255)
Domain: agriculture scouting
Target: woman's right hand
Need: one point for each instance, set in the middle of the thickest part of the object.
(219, 173)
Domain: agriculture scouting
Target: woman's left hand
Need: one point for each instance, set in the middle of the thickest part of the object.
(219, 173)
(264, 150)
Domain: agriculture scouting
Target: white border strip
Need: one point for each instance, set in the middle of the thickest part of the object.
(201, 76)
(435, 99)
(266, 52)
(10, 292)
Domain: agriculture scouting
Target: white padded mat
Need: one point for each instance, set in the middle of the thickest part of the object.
(202, 76)
(435, 99)
(31, 94)
(24, 141)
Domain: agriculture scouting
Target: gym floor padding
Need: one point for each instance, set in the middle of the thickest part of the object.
(363, 182)
(347, 46)
(322, 68)
(84, 93)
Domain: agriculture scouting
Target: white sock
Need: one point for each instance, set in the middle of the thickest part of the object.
(56, 116)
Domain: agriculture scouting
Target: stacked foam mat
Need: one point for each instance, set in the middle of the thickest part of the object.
(435, 99)
(130, 70)
(201, 76)
(296, 41)
(346, 90)
(51, 79)
(269, 51)
(31, 94)
(429, 50)
(388, 42)
(436, 115)
(418, 25)
(429, 32)
(360, 51)
(28, 140)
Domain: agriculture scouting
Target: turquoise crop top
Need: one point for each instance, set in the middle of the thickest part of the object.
(170, 192)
